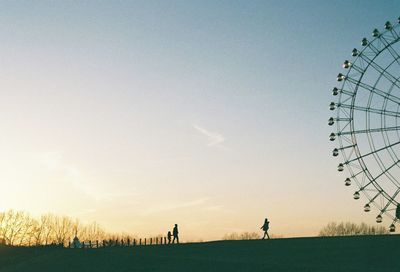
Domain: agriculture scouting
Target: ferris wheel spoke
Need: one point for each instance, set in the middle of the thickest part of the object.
(346, 114)
(386, 170)
(343, 119)
(386, 74)
(375, 90)
(346, 92)
(394, 54)
(375, 196)
(374, 152)
(370, 110)
(370, 190)
(373, 180)
(373, 48)
(387, 142)
(389, 47)
(391, 200)
(347, 140)
(396, 35)
(354, 175)
(371, 130)
(347, 147)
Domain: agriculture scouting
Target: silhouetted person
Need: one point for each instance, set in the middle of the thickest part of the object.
(175, 233)
(265, 228)
(169, 236)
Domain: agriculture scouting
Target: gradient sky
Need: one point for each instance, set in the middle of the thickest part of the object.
(209, 114)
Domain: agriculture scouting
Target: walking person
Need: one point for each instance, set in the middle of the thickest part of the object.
(265, 228)
(175, 233)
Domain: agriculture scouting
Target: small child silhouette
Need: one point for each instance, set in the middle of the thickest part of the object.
(265, 228)
(169, 236)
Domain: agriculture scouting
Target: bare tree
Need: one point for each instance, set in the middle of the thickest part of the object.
(63, 229)
(15, 227)
(93, 232)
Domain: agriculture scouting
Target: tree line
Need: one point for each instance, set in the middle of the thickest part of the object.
(331, 229)
(18, 228)
(349, 228)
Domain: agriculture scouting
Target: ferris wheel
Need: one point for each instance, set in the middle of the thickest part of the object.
(368, 123)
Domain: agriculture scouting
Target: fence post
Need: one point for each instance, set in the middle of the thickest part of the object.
(97, 243)
(140, 241)
(129, 242)
(134, 242)
(151, 241)
(165, 240)
(109, 242)
(90, 243)
(69, 244)
(145, 241)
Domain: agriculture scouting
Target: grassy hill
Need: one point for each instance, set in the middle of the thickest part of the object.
(362, 253)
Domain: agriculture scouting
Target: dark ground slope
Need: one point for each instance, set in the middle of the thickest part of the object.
(366, 253)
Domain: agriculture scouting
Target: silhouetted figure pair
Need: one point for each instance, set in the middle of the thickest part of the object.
(265, 228)
(175, 234)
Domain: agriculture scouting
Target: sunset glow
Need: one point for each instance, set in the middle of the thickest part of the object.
(210, 114)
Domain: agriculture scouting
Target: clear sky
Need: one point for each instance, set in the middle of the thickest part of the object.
(209, 114)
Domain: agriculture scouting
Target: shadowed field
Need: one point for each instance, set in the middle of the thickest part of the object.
(363, 253)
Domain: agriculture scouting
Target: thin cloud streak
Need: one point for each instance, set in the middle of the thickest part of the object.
(164, 208)
(214, 139)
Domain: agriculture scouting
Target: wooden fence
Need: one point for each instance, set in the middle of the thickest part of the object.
(121, 243)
